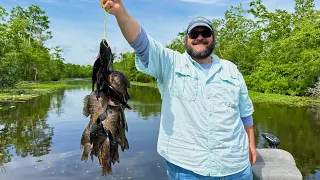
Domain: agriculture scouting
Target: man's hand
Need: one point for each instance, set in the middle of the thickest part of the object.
(252, 154)
(112, 6)
(252, 148)
(129, 27)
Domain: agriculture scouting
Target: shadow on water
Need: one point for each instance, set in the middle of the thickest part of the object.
(44, 134)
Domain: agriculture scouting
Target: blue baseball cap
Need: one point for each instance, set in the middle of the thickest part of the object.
(199, 21)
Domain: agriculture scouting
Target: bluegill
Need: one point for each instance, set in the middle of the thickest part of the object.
(102, 66)
(105, 105)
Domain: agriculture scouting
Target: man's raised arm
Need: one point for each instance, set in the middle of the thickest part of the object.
(129, 27)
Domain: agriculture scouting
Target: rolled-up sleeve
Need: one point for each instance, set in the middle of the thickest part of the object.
(160, 61)
(141, 47)
(247, 121)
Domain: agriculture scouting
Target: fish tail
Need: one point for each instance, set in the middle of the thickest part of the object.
(84, 139)
(117, 158)
(110, 170)
(103, 171)
(86, 106)
(85, 154)
(106, 170)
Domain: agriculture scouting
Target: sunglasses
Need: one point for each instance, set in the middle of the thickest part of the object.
(205, 33)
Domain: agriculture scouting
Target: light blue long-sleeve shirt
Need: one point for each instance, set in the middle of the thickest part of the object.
(200, 128)
(141, 48)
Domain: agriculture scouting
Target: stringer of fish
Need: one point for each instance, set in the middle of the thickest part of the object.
(105, 105)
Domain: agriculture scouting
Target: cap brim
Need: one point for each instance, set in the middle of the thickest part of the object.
(199, 24)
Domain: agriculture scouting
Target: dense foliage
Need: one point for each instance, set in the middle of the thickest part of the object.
(277, 52)
(128, 67)
(23, 54)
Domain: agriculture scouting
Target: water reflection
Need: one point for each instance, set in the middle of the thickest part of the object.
(315, 115)
(40, 137)
(145, 101)
(57, 102)
(297, 130)
(24, 127)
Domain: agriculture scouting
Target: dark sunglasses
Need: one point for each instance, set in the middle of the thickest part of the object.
(205, 33)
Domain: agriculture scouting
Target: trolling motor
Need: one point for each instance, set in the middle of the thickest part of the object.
(273, 163)
(272, 140)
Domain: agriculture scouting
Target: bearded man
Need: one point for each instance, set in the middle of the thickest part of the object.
(206, 129)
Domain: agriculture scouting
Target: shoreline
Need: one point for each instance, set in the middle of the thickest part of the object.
(257, 97)
(25, 91)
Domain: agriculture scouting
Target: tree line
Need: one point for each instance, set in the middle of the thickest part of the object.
(277, 52)
(23, 53)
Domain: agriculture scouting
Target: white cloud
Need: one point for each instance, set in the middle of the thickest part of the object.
(80, 41)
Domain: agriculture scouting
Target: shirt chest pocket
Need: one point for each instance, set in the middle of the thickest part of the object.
(185, 84)
(230, 89)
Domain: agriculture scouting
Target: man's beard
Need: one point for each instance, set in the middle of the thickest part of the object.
(200, 55)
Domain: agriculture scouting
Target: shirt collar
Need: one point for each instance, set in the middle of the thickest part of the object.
(215, 61)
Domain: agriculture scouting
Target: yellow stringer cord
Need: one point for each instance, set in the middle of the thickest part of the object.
(105, 26)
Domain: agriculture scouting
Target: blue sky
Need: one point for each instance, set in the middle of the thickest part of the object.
(78, 27)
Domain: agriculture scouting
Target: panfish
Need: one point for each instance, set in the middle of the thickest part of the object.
(105, 105)
(102, 66)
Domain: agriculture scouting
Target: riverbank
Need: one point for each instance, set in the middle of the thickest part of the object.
(28, 90)
(25, 91)
(256, 97)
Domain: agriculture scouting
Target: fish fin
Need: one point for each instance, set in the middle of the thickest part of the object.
(126, 143)
(123, 119)
(93, 153)
(126, 126)
(91, 156)
(86, 106)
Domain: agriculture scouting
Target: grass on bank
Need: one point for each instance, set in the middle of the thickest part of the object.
(293, 101)
(25, 91)
(153, 85)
